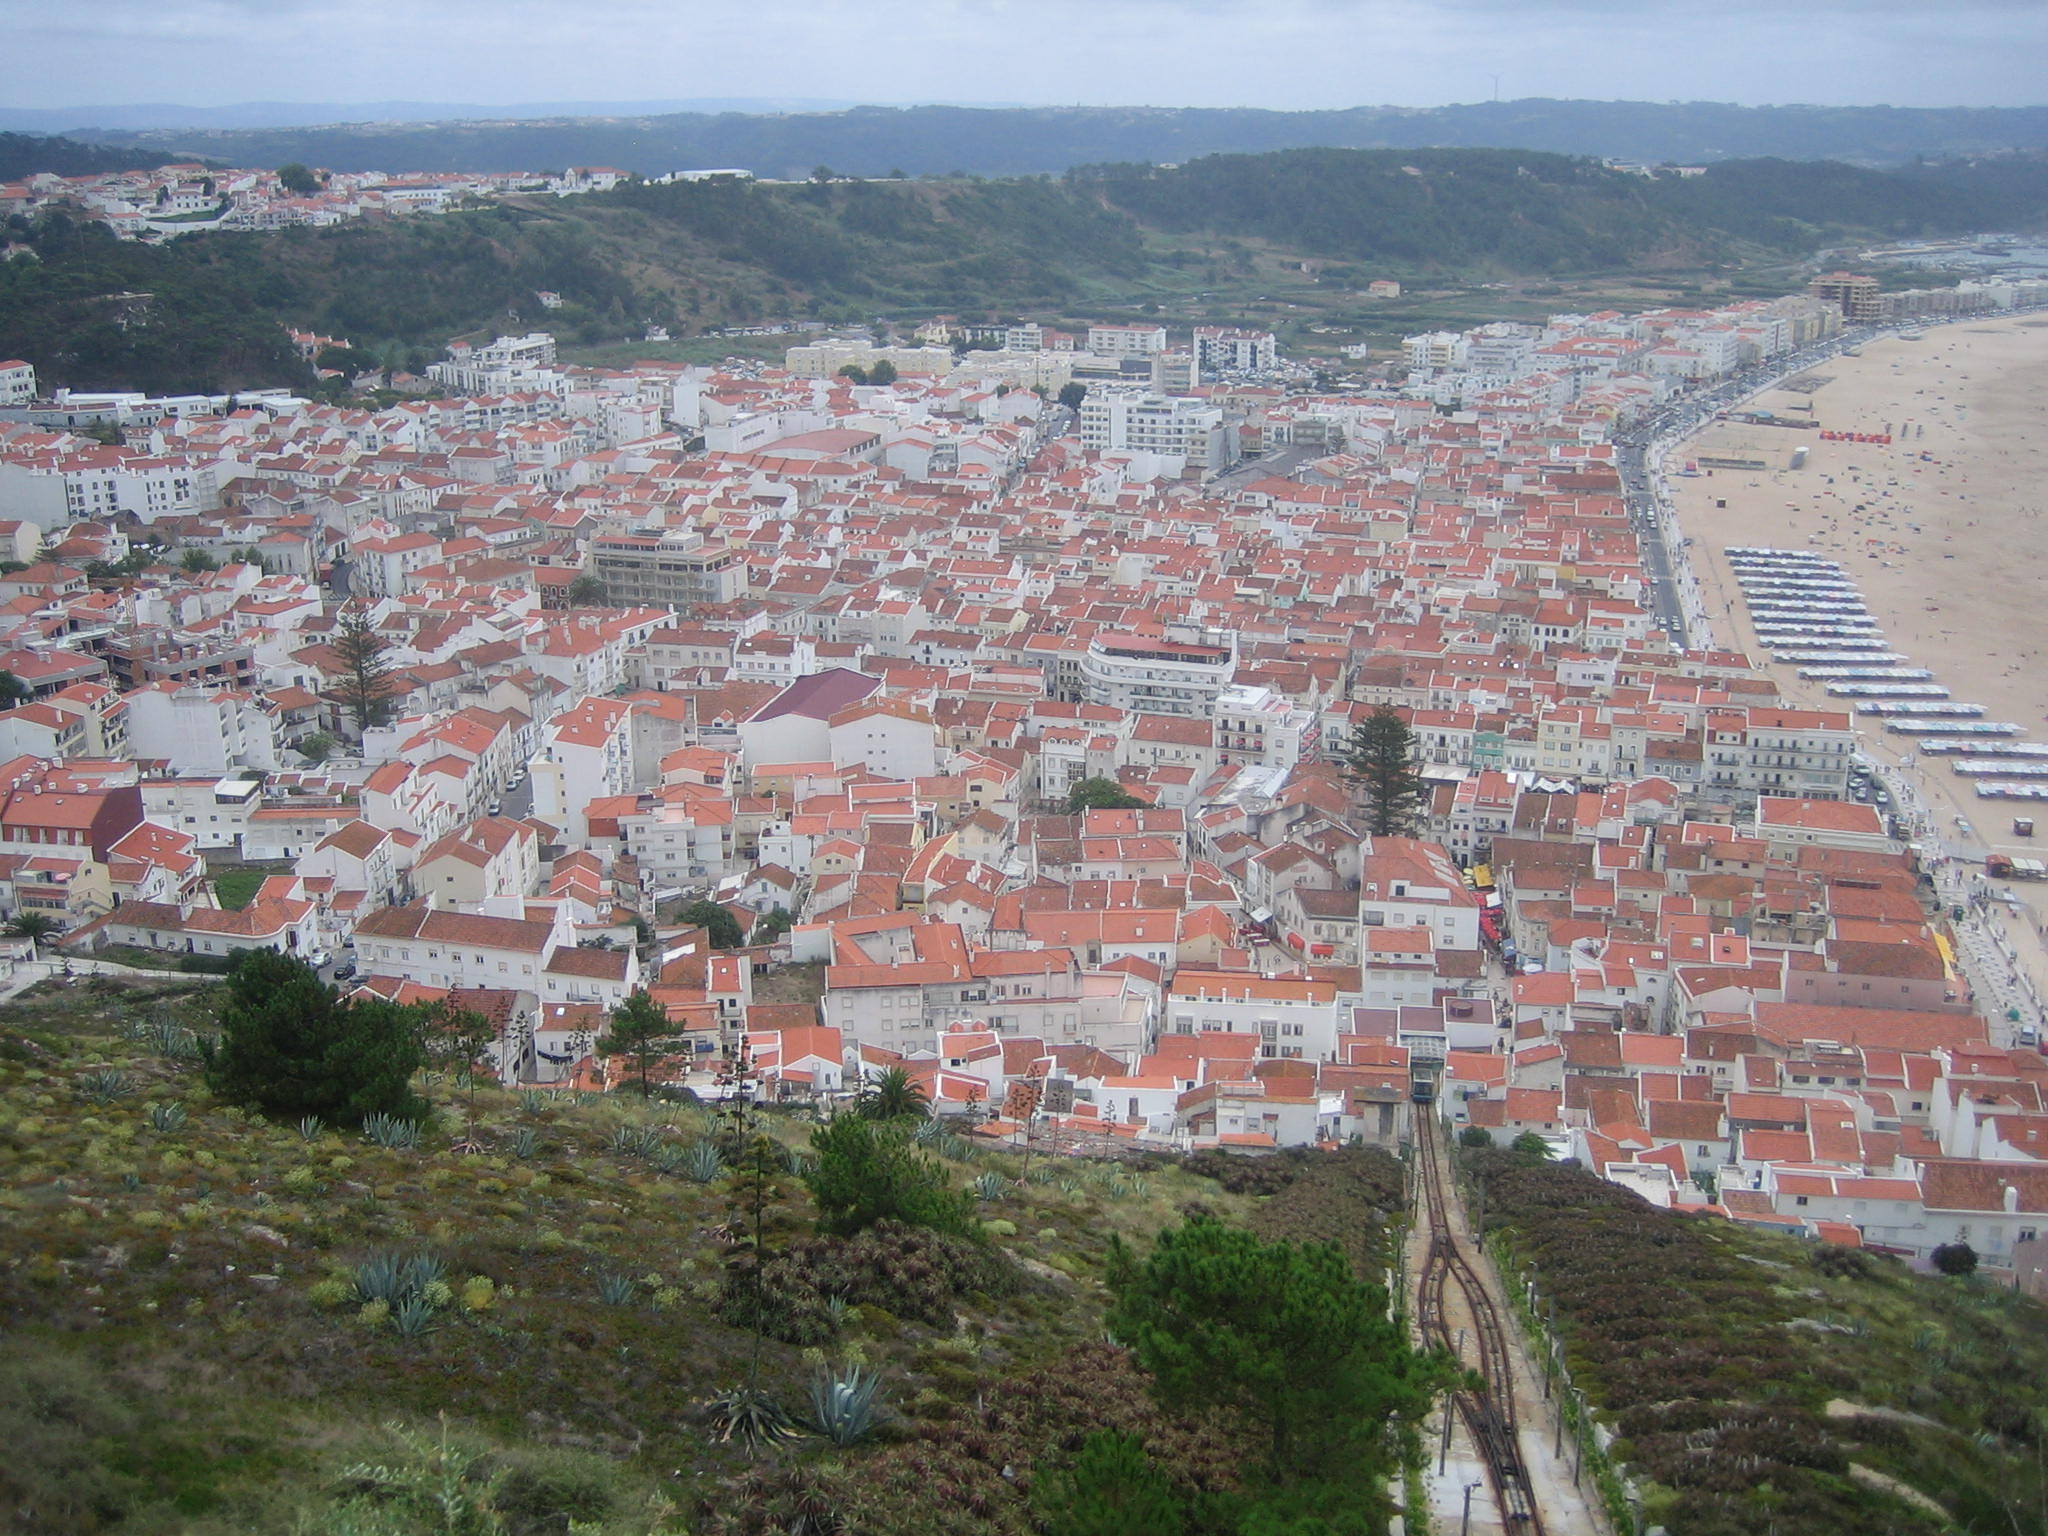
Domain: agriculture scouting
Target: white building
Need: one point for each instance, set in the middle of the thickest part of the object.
(1435, 349)
(1219, 349)
(1257, 725)
(1157, 677)
(203, 730)
(1290, 1018)
(1173, 427)
(17, 382)
(1126, 340)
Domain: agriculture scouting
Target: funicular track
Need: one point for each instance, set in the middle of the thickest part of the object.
(1450, 1286)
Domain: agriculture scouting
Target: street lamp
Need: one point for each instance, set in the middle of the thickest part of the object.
(1465, 1523)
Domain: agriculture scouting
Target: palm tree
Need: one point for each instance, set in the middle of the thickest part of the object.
(892, 1096)
(35, 926)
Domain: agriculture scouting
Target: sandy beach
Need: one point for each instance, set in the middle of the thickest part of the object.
(1945, 530)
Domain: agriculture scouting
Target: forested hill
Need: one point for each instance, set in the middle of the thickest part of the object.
(939, 141)
(1453, 209)
(29, 154)
(204, 311)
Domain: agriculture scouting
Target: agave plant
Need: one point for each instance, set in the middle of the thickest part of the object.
(166, 1117)
(702, 1164)
(533, 1101)
(838, 1313)
(989, 1186)
(929, 1131)
(796, 1161)
(524, 1142)
(163, 1034)
(749, 1415)
(382, 1277)
(845, 1409)
(414, 1317)
(310, 1128)
(105, 1085)
(625, 1141)
(615, 1289)
(392, 1133)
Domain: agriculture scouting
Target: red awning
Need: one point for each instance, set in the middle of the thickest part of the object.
(1322, 951)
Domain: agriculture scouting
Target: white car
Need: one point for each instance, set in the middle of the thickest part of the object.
(318, 958)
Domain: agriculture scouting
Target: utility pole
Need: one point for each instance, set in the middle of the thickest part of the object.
(1465, 1523)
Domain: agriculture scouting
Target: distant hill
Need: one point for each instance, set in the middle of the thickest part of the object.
(29, 154)
(938, 140)
(1514, 211)
(696, 255)
(310, 114)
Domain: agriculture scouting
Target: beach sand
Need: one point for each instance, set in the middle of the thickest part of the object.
(1950, 549)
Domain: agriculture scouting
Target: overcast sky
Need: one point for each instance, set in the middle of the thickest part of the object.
(1270, 53)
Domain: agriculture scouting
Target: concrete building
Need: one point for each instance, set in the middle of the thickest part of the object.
(670, 570)
(1137, 421)
(1219, 349)
(1858, 297)
(1126, 340)
(1156, 676)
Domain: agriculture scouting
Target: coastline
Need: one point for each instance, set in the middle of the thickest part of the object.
(1944, 530)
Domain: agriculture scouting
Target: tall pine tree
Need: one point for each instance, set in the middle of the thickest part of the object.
(364, 688)
(1379, 757)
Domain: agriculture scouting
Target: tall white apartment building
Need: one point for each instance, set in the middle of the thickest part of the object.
(1126, 340)
(1220, 349)
(1435, 349)
(1138, 421)
(1157, 677)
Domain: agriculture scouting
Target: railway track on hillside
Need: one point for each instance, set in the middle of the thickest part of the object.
(1449, 1288)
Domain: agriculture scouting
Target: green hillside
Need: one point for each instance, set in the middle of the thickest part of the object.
(695, 256)
(213, 1324)
(30, 154)
(1758, 1384)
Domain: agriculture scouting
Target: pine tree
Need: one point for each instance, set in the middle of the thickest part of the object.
(365, 686)
(641, 1032)
(1281, 1335)
(1379, 757)
(290, 1046)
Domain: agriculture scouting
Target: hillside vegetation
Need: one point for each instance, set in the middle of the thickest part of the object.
(694, 256)
(941, 140)
(218, 1324)
(1759, 1384)
(30, 154)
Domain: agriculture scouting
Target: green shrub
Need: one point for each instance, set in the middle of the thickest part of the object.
(869, 1171)
(914, 1272)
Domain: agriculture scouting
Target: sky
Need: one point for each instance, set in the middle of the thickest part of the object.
(1260, 53)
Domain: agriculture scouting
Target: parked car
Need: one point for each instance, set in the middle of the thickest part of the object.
(317, 958)
(345, 970)
(495, 807)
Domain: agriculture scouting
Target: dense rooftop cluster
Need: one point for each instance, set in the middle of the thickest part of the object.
(855, 662)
